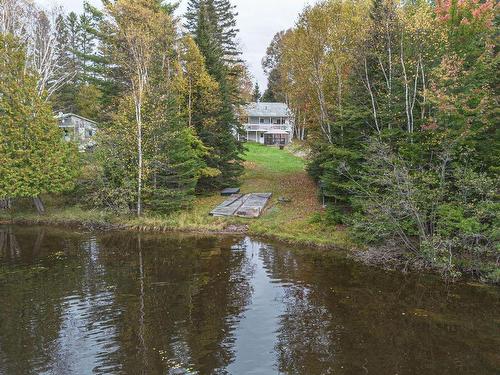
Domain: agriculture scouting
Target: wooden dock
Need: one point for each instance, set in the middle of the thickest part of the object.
(253, 205)
(230, 191)
(248, 205)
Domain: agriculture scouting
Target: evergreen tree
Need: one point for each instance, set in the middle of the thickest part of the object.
(63, 99)
(256, 96)
(226, 18)
(90, 83)
(150, 156)
(34, 159)
(173, 154)
(212, 24)
(275, 86)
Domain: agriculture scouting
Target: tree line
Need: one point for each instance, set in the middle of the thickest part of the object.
(165, 95)
(399, 105)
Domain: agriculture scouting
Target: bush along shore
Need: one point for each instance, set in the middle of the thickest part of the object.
(294, 215)
(400, 121)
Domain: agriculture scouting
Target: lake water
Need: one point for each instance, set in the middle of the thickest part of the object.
(129, 303)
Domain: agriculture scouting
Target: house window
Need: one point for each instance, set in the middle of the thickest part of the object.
(261, 120)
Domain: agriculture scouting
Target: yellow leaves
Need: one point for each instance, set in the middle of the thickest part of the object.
(195, 76)
(420, 24)
(141, 32)
(320, 52)
(210, 172)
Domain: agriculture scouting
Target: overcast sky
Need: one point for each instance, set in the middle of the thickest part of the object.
(258, 21)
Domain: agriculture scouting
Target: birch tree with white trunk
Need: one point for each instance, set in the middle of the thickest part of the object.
(138, 30)
(36, 28)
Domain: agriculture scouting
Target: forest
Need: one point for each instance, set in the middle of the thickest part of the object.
(396, 103)
(165, 101)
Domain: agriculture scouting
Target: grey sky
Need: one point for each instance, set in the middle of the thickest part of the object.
(258, 21)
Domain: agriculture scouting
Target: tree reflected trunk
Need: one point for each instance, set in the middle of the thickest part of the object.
(15, 250)
(3, 242)
(40, 236)
(141, 304)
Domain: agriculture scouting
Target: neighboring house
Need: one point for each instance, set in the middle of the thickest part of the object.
(78, 129)
(268, 123)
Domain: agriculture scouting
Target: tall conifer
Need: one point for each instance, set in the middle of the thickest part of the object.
(34, 159)
(212, 24)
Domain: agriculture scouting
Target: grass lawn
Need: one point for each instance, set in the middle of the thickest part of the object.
(267, 169)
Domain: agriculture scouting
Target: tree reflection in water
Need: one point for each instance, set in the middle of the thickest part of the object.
(128, 303)
(307, 338)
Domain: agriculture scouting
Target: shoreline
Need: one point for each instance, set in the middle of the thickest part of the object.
(231, 229)
(395, 264)
(295, 221)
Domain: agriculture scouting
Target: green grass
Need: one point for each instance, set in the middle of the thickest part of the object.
(267, 169)
(272, 159)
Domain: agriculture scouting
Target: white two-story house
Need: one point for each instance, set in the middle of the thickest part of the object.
(268, 123)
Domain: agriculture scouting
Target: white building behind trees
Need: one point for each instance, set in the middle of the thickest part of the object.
(268, 123)
(78, 129)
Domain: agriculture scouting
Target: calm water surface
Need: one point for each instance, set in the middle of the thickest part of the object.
(127, 303)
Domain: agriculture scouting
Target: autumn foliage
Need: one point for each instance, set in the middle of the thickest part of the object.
(399, 101)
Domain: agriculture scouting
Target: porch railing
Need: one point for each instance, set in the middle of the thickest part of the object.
(265, 128)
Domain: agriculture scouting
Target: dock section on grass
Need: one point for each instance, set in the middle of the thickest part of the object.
(248, 205)
(253, 205)
(229, 191)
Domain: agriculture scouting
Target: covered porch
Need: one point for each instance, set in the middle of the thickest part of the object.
(270, 137)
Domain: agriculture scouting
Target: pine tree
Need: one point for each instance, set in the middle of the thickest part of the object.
(63, 99)
(212, 23)
(226, 18)
(149, 152)
(275, 85)
(34, 159)
(256, 96)
(173, 154)
(80, 46)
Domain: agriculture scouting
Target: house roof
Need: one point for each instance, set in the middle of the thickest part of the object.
(61, 116)
(267, 110)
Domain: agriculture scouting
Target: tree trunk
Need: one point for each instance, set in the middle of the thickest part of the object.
(139, 177)
(372, 97)
(407, 91)
(5, 204)
(39, 205)
(138, 117)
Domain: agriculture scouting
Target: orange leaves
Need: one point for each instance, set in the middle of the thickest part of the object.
(466, 12)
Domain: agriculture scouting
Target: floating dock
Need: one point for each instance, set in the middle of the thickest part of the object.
(248, 205)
